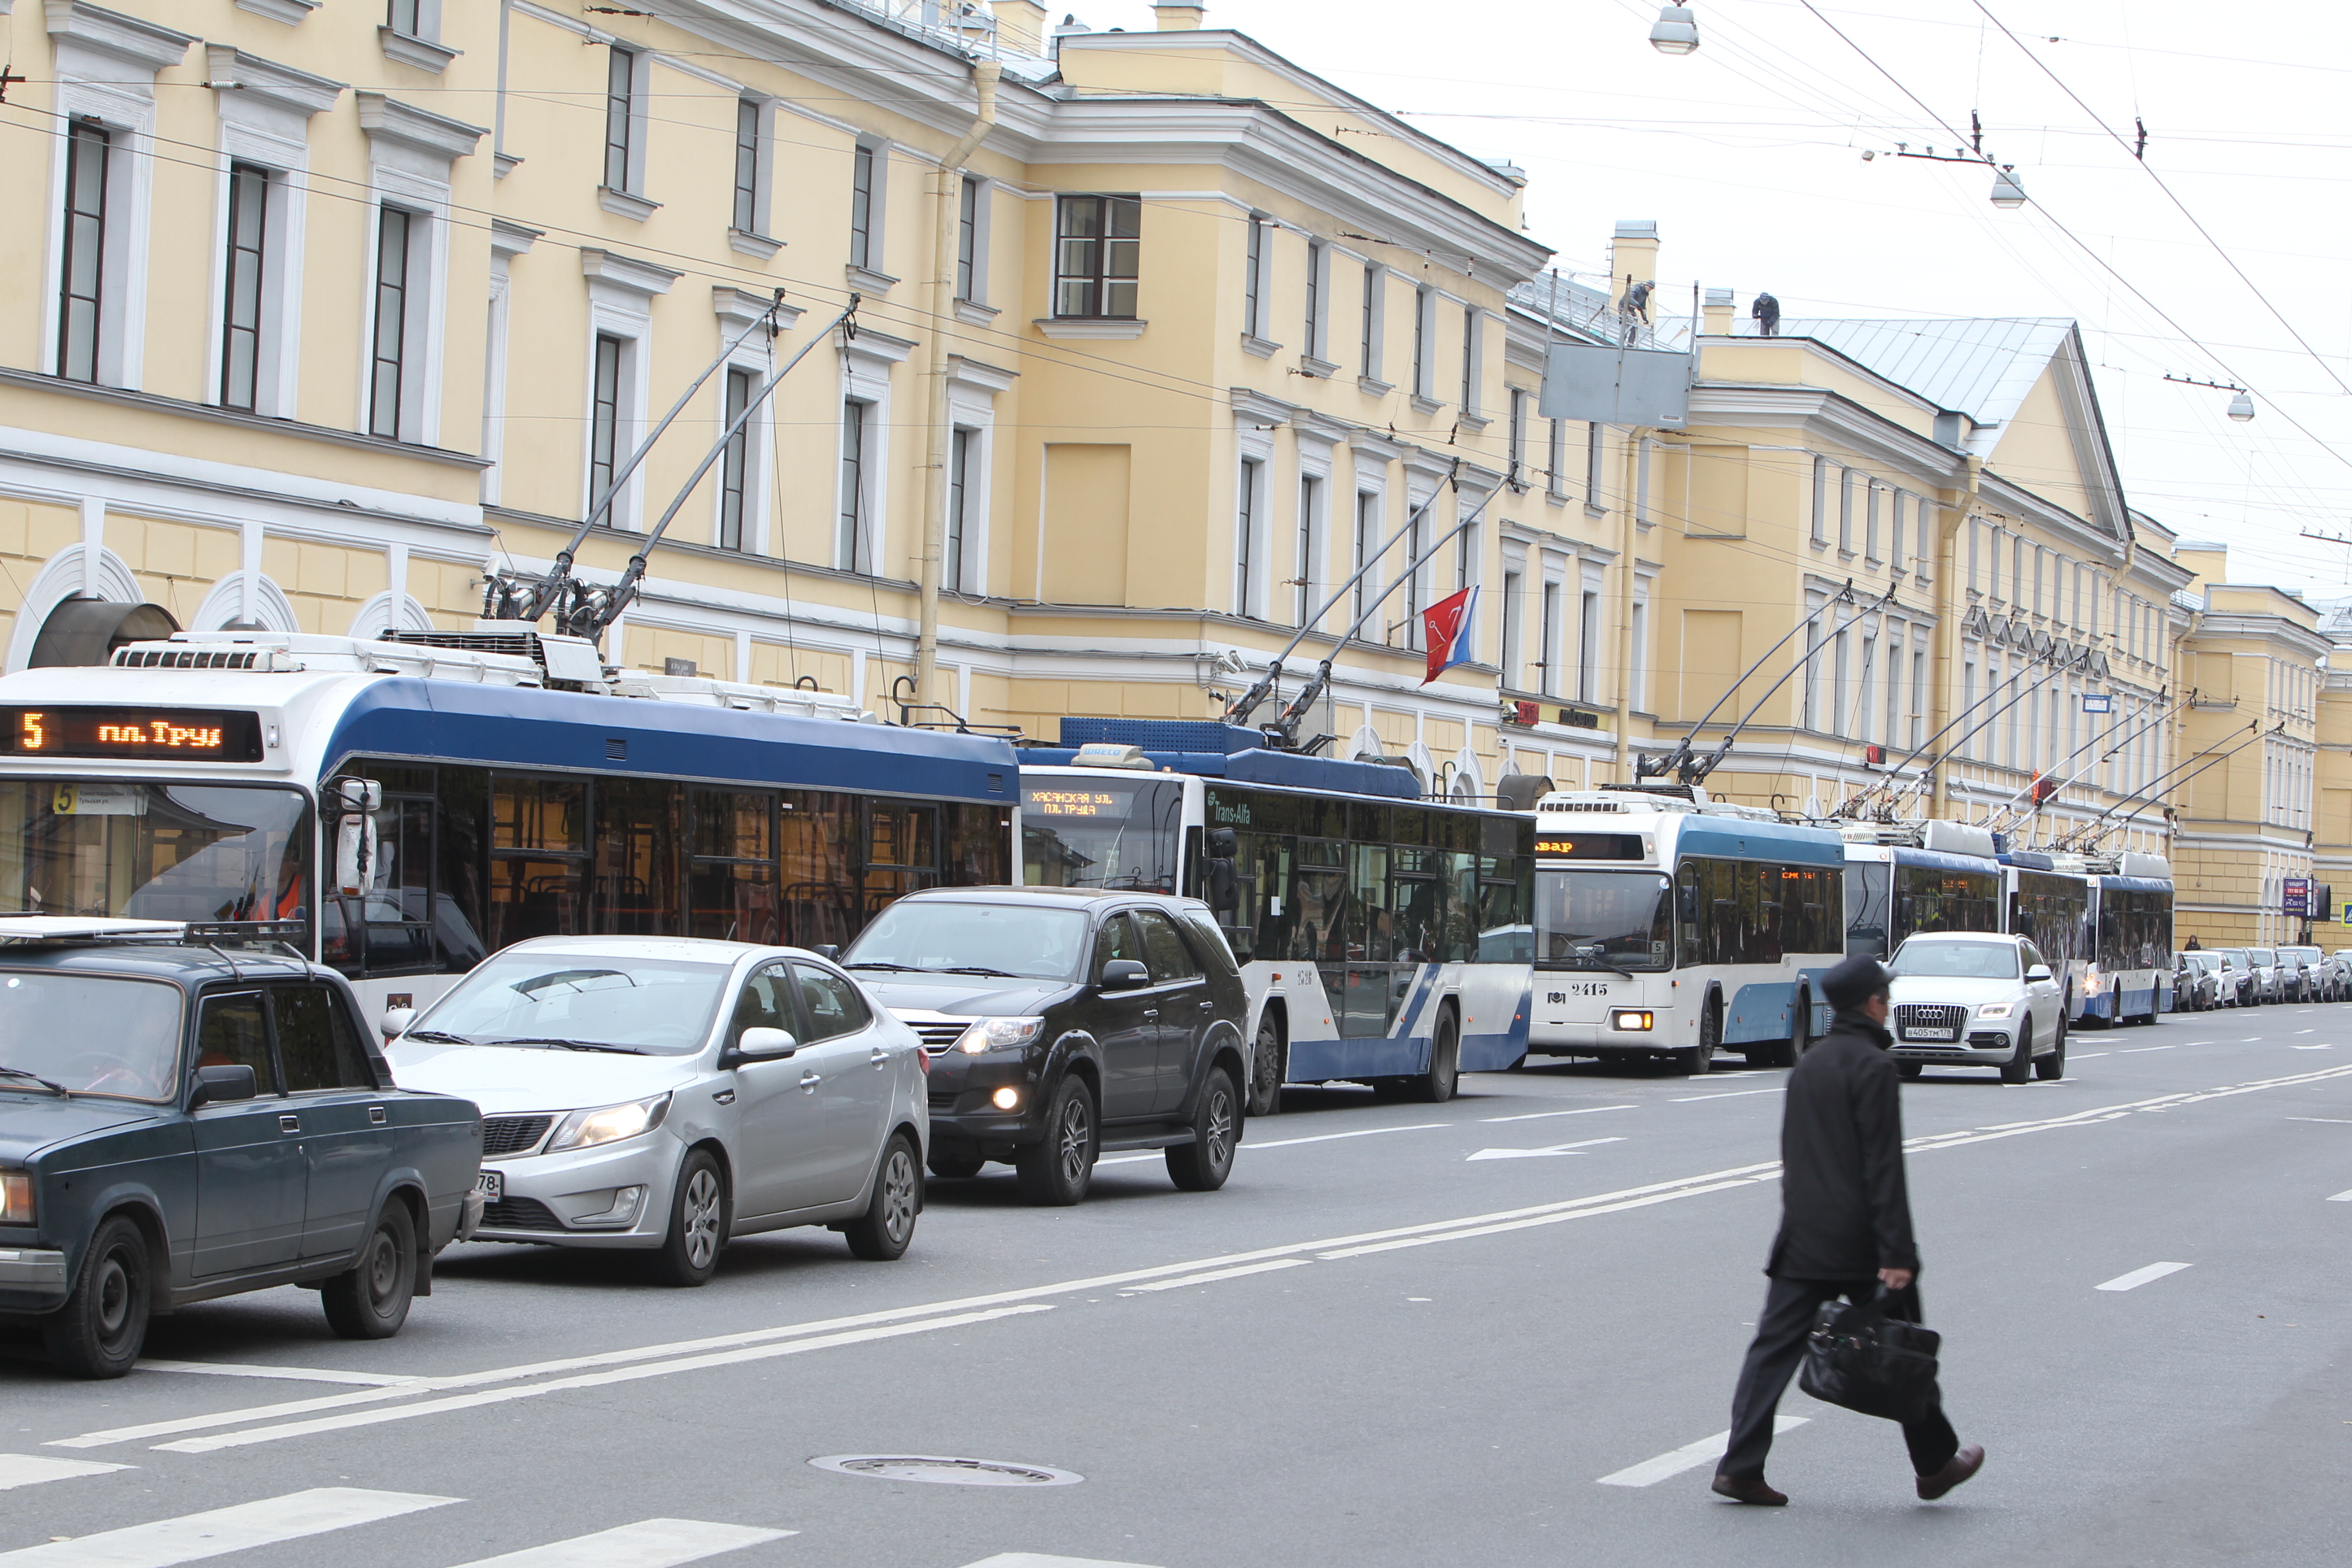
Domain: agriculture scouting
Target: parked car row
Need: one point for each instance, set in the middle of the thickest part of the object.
(2252, 976)
(181, 1120)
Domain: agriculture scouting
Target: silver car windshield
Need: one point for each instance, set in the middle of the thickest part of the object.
(101, 1034)
(1013, 941)
(1957, 960)
(580, 1001)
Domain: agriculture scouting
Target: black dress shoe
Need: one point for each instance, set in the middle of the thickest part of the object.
(1965, 1463)
(1752, 1489)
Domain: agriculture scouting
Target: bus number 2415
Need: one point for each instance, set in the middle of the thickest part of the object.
(1586, 988)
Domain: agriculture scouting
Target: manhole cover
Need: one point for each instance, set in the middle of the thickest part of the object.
(947, 1472)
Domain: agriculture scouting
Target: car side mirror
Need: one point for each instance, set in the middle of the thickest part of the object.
(2039, 971)
(395, 1021)
(762, 1044)
(225, 1082)
(1125, 974)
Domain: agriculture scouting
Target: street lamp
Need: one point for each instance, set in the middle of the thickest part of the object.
(1676, 32)
(2007, 193)
(2242, 408)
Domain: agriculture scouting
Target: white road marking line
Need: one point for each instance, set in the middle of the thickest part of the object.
(2310, 1048)
(2332, 1120)
(1735, 1094)
(32, 1470)
(2135, 1050)
(1542, 1153)
(1500, 1228)
(2341, 1198)
(2139, 1276)
(295, 1373)
(649, 1543)
(2084, 1057)
(2307, 1031)
(1214, 1275)
(1037, 1560)
(1539, 1115)
(1604, 1203)
(220, 1532)
(586, 1380)
(1359, 1132)
(1689, 1457)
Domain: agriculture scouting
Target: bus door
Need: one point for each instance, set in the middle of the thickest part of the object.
(901, 851)
(1369, 992)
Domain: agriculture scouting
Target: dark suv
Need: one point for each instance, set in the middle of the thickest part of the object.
(179, 1122)
(1059, 1022)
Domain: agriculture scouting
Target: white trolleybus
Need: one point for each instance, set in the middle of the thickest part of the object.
(2051, 910)
(2127, 937)
(1384, 938)
(1670, 925)
(1903, 877)
(412, 804)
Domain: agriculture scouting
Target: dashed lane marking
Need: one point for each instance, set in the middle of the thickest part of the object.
(2341, 1198)
(218, 1532)
(1735, 1094)
(1359, 1132)
(1689, 1457)
(1038, 1559)
(1539, 1115)
(2136, 1051)
(32, 1470)
(2139, 1276)
(294, 1373)
(1542, 1153)
(649, 1543)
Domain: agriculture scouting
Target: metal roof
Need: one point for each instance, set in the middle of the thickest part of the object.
(1980, 366)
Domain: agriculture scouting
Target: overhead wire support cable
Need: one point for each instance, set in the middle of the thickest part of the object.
(2090, 830)
(1859, 802)
(1994, 815)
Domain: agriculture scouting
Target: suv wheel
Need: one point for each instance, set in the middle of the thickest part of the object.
(2020, 1066)
(1203, 1165)
(102, 1328)
(1266, 1069)
(1057, 1170)
(2052, 1067)
(1436, 1086)
(370, 1301)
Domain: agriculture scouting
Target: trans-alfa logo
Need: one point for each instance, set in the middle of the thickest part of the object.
(1237, 815)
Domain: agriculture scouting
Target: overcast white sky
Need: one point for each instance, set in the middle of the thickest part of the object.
(1749, 154)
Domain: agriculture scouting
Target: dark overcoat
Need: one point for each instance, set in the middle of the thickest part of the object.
(1845, 1213)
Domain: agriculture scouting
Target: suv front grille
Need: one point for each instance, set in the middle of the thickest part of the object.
(520, 1214)
(937, 1036)
(1919, 1015)
(512, 1134)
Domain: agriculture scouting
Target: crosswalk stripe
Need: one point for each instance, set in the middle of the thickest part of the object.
(1038, 1559)
(218, 1532)
(649, 1543)
(32, 1470)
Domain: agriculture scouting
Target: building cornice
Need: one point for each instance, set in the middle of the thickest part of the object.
(232, 70)
(419, 129)
(1825, 414)
(130, 39)
(627, 272)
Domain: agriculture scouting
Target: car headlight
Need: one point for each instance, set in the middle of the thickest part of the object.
(1996, 1009)
(586, 1129)
(999, 1034)
(16, 1197)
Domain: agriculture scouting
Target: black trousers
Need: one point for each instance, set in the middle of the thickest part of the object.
(1790, 1307)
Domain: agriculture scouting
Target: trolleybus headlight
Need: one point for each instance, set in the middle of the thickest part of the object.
(1632, 1022)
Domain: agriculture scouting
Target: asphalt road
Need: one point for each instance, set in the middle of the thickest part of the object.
(1402, 1335)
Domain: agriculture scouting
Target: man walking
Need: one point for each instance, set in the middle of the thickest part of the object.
(1845, 1229)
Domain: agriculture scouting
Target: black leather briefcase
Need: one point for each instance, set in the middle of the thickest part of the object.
(1863, 1359)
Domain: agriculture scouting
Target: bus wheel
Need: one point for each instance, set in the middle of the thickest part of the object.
(1700, 1058)
(1436, 1086)
(1266, 1069)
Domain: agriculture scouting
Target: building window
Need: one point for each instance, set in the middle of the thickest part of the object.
(1923, 512)
(1918, 694)
(406, 16)
(1547, 643)
(1513, 587)
(1812, 717)
(387, 368)
(1639, 697)
(1313, 346)
(1423, 303)
(960, 450)
(861, 206)
(604, 421)
(1412, 574)
(248, 229)
(1368, 518)
(849, 536)
(1593, 445)
(1311, 518)
(734, 474)
(1372, 323)
(1821, 500)
(1588, 646)
(1843, 681)
(1253, 476)
(747, 164)
(1095, 256)
(1253, 278)
(1870, 531)
(1846, 510)
(88, 148)
(1469, 358)
(1465, 556)
(619, 117)
(1556, 462)
(1515, 449)
(967, 239)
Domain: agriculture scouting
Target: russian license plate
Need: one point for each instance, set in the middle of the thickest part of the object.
(492, 1185)
(1931, 1034)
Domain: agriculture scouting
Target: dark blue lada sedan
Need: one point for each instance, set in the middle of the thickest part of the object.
(183, 1119)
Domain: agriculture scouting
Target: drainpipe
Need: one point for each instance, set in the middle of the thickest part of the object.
(1629, 503)
(944, 214)
(1948, 624)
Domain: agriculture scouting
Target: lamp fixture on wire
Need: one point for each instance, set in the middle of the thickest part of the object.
(1676, 32)
(2242, 404)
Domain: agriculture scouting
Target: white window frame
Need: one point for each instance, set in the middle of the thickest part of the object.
(1372, 344)
(1316, 319)
(1474, 358)
(972, 391)
(410, 155)
(264, 113)
(621, 293)
(1250, 572)
(865, 365)
(1846, 477)
(1257, 275)
(1592, 611)
(507, 241)
(878, 206)
(1312, 533)
(763, 173)
(982, 192)
(641, 66)
(1425, 343)
(1556, 458)
(735, 310)
(1514, 589)
(1821, 503)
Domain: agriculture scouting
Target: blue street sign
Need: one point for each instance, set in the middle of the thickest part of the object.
(2099, 702)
